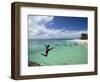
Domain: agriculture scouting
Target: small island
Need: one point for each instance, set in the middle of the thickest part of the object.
(84, 36)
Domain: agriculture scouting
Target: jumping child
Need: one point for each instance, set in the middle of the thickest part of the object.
(47, 50)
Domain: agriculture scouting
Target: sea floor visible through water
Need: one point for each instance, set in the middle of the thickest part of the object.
(64, 52)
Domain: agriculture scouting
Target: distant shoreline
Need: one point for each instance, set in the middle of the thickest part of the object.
(81, 41)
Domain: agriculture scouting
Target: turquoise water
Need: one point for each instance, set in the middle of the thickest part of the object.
(65, 52)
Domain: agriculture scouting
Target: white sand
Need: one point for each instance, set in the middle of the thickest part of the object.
(81, 41)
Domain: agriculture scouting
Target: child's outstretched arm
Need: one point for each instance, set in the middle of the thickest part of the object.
(51, 48)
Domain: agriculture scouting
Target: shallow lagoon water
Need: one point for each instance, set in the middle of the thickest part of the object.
(66, 52)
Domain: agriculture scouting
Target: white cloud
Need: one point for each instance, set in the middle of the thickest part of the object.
(43, 19)
(38, 30)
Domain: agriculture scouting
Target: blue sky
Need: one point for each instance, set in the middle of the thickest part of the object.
(54, 27)
(71, 23)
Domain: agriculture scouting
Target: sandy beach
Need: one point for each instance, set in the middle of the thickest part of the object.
(81, 41)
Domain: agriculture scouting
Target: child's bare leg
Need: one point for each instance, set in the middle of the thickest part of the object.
(46, 54)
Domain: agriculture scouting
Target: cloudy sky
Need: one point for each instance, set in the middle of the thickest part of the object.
(56, 27)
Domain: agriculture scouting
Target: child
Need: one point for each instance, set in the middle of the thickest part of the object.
(47, 50)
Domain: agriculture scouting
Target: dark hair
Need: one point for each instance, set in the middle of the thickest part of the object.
(48, 46)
